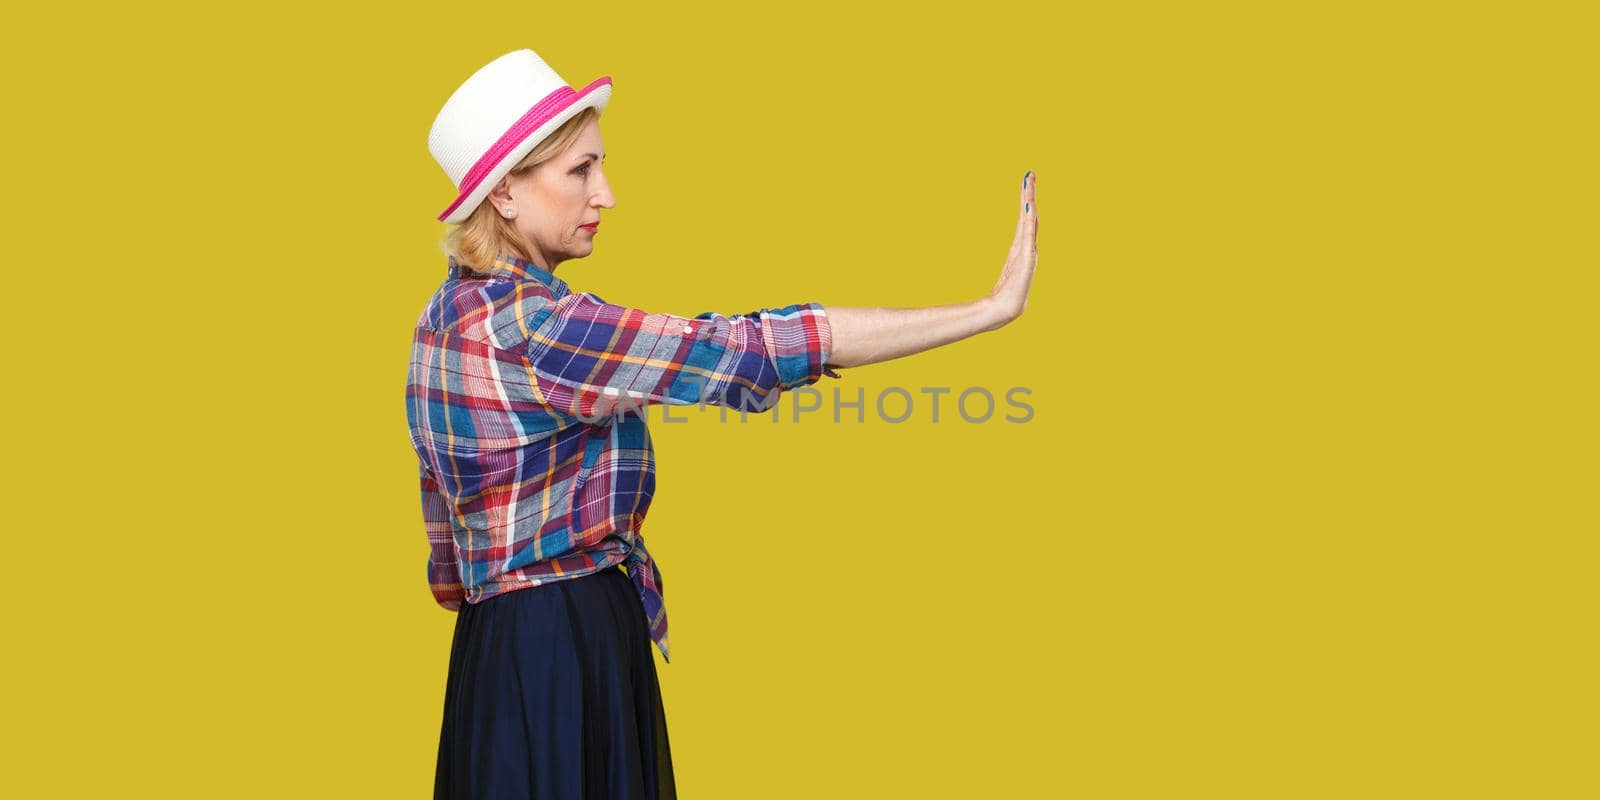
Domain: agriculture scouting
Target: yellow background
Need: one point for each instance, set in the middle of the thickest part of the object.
(1306, 508)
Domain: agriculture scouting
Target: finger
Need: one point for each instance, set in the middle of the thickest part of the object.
(1033, 223)
(1024, 197)
(1031, 204)
(1019, 238)
(1033, 232)
(1030, 208)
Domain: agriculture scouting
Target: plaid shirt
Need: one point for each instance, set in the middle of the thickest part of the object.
(525, 404)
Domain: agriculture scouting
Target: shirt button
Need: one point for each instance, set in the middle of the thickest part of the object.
(688, 329)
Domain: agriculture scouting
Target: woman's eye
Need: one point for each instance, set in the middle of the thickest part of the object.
(583, 170)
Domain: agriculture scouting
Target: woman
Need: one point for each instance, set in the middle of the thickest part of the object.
(525, 402)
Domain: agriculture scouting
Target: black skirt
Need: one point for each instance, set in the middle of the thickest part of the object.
(552, 694)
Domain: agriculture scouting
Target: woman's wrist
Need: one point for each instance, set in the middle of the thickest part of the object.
(995, 312)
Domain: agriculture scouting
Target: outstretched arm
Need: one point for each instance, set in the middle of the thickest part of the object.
(867, 335)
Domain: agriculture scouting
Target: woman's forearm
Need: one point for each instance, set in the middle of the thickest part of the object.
(867, 335)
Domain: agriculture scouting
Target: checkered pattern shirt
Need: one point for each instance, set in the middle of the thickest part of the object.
(526, 407)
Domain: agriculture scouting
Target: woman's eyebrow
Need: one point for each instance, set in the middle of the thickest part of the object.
(591, 155)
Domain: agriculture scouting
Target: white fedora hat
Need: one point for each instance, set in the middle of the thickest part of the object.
(498, 116)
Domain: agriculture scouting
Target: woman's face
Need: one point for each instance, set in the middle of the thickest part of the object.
(556, 199)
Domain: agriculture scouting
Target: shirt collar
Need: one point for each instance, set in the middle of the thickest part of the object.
(507, 266)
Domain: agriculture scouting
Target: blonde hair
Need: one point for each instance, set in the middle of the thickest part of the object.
(483, 234)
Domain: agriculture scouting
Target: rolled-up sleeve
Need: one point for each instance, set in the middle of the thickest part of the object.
(589, 357)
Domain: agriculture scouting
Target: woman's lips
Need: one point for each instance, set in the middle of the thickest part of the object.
(592, 227)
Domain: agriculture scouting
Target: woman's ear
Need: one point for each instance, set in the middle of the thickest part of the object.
(500, 198)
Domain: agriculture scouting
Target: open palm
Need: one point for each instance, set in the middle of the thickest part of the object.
(1011, 290)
